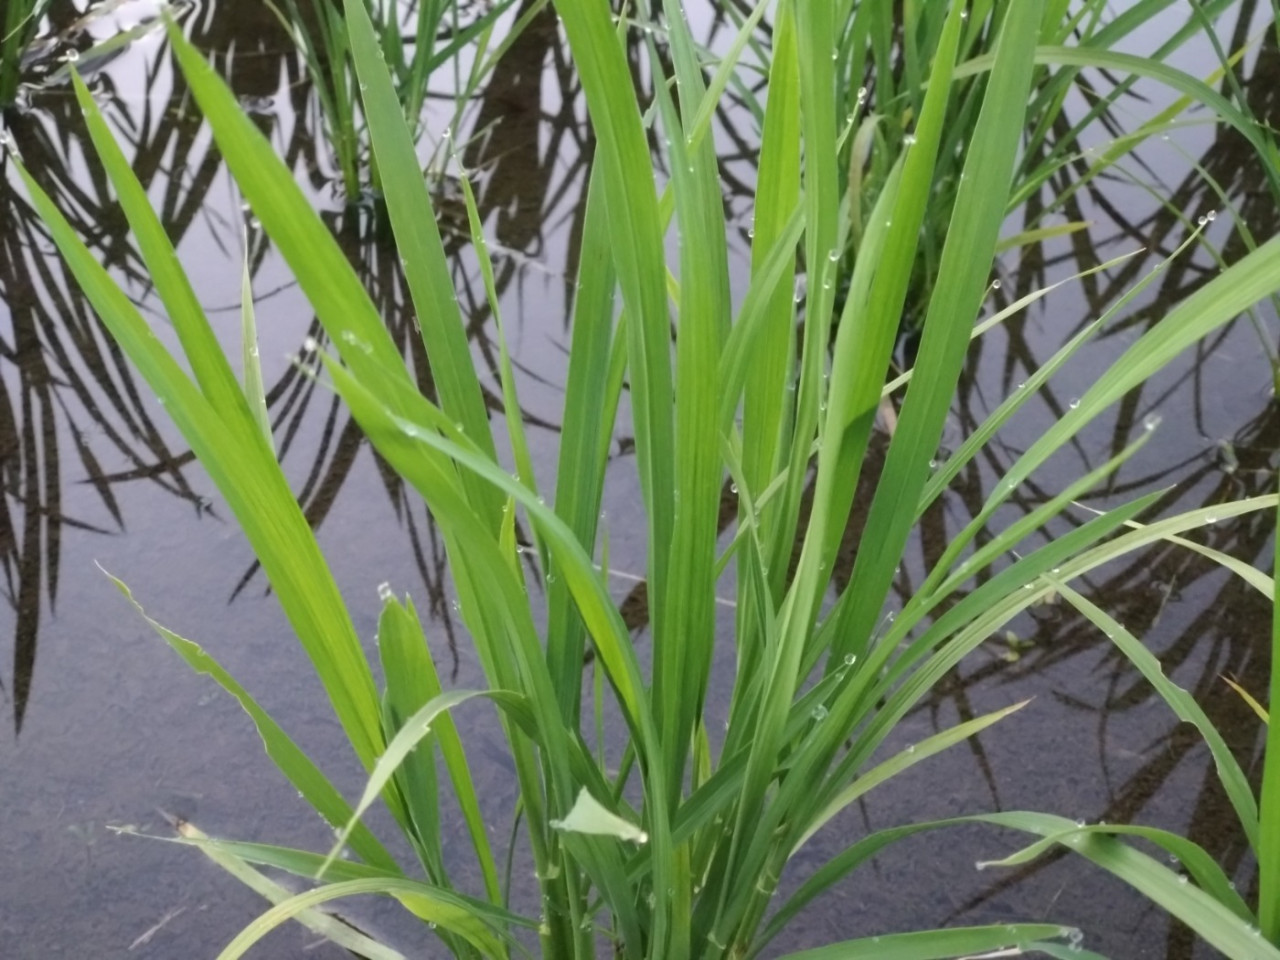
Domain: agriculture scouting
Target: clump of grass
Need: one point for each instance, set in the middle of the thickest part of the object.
(884, 49)
(438, 38)
(674, 849)
(18, 28)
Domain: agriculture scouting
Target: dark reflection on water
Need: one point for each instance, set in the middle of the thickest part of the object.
(108, 729)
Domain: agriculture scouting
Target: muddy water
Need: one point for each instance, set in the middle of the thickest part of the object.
(106, 728)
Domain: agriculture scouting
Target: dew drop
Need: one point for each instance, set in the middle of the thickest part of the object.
(1074, 403)
(819, 713)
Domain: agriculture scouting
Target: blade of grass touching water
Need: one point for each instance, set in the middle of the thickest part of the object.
(293, 763)
(438, 907)
(329, 927)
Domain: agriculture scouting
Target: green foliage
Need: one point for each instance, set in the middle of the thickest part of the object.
(18, 28)
(320, 31)
(880, 94)
(675, 849)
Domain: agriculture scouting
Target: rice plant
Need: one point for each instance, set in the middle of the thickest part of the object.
(672, 845)
(19, 27)
(883, 49)
(441, 32)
